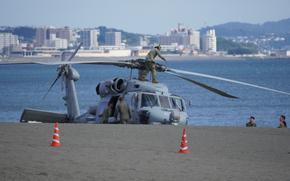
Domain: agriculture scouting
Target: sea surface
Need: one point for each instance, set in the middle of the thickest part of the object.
(23, 86)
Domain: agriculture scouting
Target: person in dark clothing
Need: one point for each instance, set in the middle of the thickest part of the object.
(251, 122)
(282, 122)
(150, 64)
(107, 113)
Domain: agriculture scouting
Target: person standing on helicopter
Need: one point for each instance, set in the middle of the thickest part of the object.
(150, 64)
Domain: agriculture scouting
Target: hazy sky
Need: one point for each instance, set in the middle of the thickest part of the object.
(140, 16)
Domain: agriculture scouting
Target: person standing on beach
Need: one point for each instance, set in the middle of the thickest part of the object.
(251, 122)
(282, 122)
(150, 64)
(122, 110)
(107, 113)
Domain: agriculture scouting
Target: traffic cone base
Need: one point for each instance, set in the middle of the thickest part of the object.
(185, 151)
(55, 143)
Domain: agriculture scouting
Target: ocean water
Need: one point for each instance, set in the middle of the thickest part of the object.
(23, 86)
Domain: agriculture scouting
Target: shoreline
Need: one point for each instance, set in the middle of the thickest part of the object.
(189, 125)
(168, 57)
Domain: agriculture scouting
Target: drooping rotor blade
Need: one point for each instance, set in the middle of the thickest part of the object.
(58, 76)
(225, 79)
(214, 90)
(75, 52)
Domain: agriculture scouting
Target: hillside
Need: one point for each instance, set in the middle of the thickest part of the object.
(25, 33)
(233, 29)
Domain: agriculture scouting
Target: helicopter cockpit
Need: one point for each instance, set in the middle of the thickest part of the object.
(166, 102)
(163, 109)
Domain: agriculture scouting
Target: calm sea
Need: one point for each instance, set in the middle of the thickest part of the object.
(23, 86)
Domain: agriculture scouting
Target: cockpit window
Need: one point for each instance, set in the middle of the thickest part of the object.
(177, 103)
(164, 101)
(149, 100)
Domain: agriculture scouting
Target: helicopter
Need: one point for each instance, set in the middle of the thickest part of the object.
(149, 103)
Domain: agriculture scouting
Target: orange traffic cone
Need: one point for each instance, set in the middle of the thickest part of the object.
(55, 138)
(184, 143)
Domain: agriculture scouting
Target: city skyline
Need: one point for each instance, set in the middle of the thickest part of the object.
(148, 17)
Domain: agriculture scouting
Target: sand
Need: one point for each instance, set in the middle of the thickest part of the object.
(142, 152)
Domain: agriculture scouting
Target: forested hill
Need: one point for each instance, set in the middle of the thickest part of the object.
(234, 29)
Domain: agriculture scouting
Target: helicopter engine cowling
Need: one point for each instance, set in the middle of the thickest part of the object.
(115, 86)
(119, 85)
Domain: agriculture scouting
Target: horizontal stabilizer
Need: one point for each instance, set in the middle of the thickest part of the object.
(34, 115)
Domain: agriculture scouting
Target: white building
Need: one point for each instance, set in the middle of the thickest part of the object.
(89, 38)
(194, 39)
(182, 36)
(209, 43)
(57, 43)
(113, 38)
(8, 40)
(54, 42)
(173, 39)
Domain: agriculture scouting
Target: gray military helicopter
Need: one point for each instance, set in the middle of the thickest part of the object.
(149, 103)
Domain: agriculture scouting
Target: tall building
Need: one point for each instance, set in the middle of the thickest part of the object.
(194, 39)
(209, 43)
(113, 38)
(7, 40)
(41, 36)
(64, 33)
(173, 39)
(181, 36)
(89, 38)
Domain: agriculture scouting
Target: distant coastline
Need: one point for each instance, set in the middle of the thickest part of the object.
(168, 57)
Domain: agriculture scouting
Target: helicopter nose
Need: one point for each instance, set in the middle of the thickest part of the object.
(159, 116)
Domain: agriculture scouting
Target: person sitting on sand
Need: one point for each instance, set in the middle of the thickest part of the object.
(282, 122)
(251, 122)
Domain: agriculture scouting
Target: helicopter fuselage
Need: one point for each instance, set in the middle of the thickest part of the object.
(148, 103)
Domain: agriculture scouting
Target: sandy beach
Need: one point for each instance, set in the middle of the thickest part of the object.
(142, 152)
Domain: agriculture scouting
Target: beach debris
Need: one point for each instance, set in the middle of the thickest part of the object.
(55, 138)
(184, 143)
